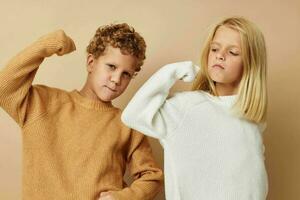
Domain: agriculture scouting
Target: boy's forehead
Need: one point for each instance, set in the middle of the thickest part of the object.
(120, 59)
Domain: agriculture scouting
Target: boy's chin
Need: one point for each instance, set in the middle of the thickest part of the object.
(108, 99)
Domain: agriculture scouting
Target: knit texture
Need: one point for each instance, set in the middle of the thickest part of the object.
(73, 147)
(210, 153)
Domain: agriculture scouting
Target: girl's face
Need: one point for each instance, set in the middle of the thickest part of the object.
(225, 66)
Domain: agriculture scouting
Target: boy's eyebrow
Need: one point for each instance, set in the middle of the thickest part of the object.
(113, 63)
(131, 71)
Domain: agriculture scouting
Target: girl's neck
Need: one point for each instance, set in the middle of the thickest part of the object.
(226, 89)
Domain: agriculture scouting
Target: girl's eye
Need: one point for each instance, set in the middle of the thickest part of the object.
(233, 53)
(214, 49)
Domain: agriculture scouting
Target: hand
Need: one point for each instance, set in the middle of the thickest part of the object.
(58, 42)
(106, 196)
(68, 44)
(190, 73)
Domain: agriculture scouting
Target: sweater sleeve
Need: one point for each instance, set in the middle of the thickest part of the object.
(149, 111)
(17, 94)
(148, 178)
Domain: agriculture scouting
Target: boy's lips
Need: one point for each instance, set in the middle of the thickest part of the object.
(113, 90)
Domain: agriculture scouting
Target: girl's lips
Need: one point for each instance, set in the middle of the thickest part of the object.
(219, 66)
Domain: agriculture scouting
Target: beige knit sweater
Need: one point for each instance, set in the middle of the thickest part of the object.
(73, 147)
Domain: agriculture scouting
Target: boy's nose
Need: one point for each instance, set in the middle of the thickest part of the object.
(116, 78)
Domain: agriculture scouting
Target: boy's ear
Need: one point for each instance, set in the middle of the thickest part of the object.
(90, 60)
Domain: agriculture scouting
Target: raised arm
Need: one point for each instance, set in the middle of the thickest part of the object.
(149, 111)
(16, 90)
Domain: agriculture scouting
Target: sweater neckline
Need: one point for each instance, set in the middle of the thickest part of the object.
(227, 101)
(90, 103)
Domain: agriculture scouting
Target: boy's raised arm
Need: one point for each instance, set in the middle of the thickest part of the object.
(16, 90)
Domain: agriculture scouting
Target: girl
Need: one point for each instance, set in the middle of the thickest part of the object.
(211, 135)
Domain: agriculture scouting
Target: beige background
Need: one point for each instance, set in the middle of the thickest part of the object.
(173, 31)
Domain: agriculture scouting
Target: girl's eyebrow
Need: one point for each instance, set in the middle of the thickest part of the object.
(230, 46)
(215, 43)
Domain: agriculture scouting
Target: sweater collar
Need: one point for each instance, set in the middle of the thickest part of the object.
(90, 103)
(227, 101)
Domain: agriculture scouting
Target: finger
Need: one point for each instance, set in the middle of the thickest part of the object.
(196, 68)
(102, 194)
(105, 198)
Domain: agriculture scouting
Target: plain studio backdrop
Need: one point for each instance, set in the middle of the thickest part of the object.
(174, 31)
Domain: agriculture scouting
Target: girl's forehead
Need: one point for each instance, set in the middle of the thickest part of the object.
(226, 36)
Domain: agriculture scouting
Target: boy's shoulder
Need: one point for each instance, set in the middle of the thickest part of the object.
(50, 95)
(49, 92)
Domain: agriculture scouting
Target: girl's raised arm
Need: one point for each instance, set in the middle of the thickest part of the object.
(149, 111)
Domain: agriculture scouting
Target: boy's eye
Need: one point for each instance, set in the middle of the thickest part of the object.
(127, 75)
(111, 66)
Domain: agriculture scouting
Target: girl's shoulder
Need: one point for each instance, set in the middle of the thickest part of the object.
(189, 98)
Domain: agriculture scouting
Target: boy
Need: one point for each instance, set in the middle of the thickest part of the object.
(74, 143)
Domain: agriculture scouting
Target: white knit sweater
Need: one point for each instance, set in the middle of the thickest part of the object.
(210, 154)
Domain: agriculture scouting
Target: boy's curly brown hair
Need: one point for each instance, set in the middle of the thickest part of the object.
(120, 36)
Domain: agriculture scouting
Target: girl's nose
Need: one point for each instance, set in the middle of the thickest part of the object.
(220, 56)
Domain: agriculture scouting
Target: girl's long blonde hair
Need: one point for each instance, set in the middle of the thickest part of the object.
(252, 93)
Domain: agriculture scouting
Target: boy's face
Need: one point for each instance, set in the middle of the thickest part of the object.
(109, 74)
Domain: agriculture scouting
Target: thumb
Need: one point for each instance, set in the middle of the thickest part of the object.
(191, 73)
(102, 194)
(67, 47)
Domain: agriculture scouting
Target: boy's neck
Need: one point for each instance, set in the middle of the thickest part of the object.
(86, 92)
(89, 94)
(95, 104)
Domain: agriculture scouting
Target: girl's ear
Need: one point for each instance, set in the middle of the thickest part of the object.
(90, 61)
